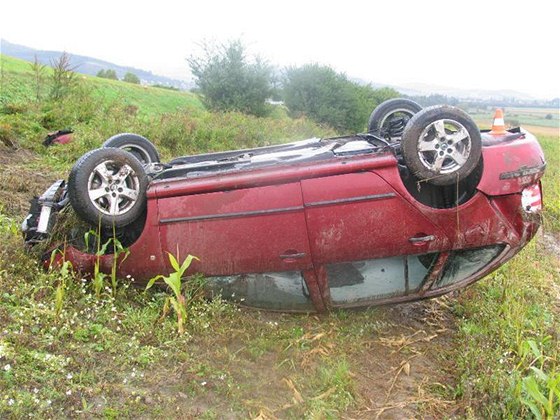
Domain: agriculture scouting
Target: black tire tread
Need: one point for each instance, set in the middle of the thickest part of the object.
(388, 106)
(121, 139)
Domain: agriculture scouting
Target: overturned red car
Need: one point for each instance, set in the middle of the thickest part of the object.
(422, 204)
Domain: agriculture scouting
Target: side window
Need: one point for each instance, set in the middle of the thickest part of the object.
(285, 291)
(362, 281)
(465, 263)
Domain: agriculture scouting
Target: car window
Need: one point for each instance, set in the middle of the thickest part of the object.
(361, 281)
(285, 291)
(465, 263)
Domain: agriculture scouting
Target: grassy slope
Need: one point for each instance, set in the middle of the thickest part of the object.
(65, 352)
(18, 75)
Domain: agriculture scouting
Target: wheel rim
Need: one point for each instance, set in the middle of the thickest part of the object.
(113, 187)
(138, 152)
(392, 124)
(444, 146)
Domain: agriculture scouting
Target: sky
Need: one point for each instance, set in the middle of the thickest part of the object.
(491, 44)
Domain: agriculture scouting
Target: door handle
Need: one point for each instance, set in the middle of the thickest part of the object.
(418, 240)
(293, 256)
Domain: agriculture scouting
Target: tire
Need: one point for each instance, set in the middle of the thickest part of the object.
(389, 118)
(139, 146)
(108, 186)
(441, 145)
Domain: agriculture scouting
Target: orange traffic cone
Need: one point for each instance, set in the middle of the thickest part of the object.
(498, 126)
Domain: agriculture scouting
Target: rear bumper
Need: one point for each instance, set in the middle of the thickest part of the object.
(511, 163)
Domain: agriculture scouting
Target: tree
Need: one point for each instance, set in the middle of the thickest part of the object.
(131, 78)
(107, 74)
(231, 81)
(63, 78)
(38, 70)
(330, 98)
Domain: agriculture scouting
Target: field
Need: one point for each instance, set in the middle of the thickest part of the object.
(546, 119)
(69, 350)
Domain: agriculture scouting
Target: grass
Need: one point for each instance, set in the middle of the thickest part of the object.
(499, 320)
(506, 349)
(551, 183)
(18, 82)
(69, 348)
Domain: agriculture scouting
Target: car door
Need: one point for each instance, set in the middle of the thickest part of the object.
(368, 240)
(246, 230)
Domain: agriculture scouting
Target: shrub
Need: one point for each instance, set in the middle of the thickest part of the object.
(330, 98)
(107, 74)
(131, 78)
(230, 81)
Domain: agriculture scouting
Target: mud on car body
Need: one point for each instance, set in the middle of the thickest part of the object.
(420, 205)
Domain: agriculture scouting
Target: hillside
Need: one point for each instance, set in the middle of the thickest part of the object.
(87, 65)
(19, 83)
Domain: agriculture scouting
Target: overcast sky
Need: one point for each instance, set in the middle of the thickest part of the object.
(491, 44)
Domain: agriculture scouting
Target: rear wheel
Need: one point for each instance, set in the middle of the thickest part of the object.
(108, 186)
(389, 118)
(139, 146)
(441, 144)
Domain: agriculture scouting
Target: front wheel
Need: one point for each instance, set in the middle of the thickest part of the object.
(441, 145)
(108, 186)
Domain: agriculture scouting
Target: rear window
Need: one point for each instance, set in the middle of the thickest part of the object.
(465, 263)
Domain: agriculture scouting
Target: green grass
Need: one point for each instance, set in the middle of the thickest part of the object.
(501, 320)
(18, 81)
(506, 349)
(551, 183)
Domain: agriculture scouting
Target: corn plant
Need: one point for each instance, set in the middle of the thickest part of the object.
(180, 301)
(65, 271)
(99, 278)
(541, 388)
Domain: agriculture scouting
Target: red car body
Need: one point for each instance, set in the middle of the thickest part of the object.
(340, 231)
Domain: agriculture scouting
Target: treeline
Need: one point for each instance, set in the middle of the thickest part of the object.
(228, 79)
(436, 99)
(112, 74)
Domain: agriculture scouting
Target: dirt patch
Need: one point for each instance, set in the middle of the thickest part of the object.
(396, 369)
(551, 243)
(403, 371)
(19, 182)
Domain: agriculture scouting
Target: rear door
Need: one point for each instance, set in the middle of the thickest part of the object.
(360, 232)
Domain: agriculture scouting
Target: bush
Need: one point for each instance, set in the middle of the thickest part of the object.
(330, 98)
(131, 78)
(107, 74)
(229, 81)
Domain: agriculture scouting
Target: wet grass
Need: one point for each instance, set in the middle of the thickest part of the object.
(506, 348)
